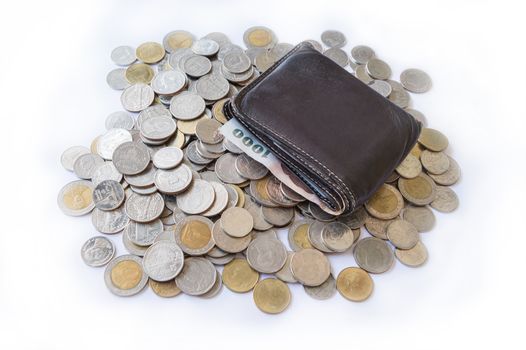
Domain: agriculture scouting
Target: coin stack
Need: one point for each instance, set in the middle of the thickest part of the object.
(195, 212)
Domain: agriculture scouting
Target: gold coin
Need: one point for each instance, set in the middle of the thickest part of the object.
(271, 295)
(126, 274)
(261, 188)
(239, 277)
(410, 167)
(241, 195)
(259, 37)
(386, 203)
(413, 257)
(420, 190)
(195, 234)
(301, 237)
(150, 52)
(139, 73)
(433, 139)
(217, 111)
(354, 284)
(77, 197)
(166, 289)
(416, 150)
(188, 127)
(177, 40)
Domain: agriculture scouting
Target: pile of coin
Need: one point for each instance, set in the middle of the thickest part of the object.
(195, 212)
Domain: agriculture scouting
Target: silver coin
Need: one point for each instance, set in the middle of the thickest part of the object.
(116, 79)
(324, 291)
(217, 253)
(228, 243)
(109, 222)
(255, 210)
(415, 80)
(290, 193)
(167, 158)
(110, 140)
(270, 234)
(220, 38)
(212, 87)
(231, 147)
(239, 78)
(382, 87)
(217, 287)
(337, 55)
(86, 164)
(144, 208)
(195, 65)
(220, 201)
(378, 69)
(337, 236)
(446, 200)
(320, 214)
(277, 216)
(97, 251)
(418, 116)
(361, 73)
(205, 47)
(237, 222)
(421, 217)
(163, 261)
(356, 219)
(133, 248)
(373, 255)
(450, 177)
(143, 234)
(142, 179)
(195, 156)
(226, 49)
(119, 120)
(131, 158)
(137, 97)
(69, 156)
(249, 168)
(315, 236)
(176, 57)
(197, 277)
(152, 111)
(197, 198)
(202, 149)
(316, 44)
(285, 274)
(333, 38)
(281, 49)
(276, 195)
(361, 54)
(144, 190)
(123, 55)
(168, 82)
(75, 198)
(187, 106)
(236, 62)
(141, 283)
(266, 255)
(207, 131)
(226, 170)
(264, 60)
(158, 128)
(222, 260)
(402, 234)
(108, 195)
(434, 162)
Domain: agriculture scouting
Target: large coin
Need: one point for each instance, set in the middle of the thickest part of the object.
(402, 234)
(420, 190)
(386, 203)
(450, 177)
(446, 200)
(433, 139)
(163, 260)
(322, 292)
(228, 243)
(194, 235)
(373, 255)
(421, 217)
(150, 52)
(337, 236)
(124, 275)
(131, 158)
(271, 295)
(197, 277)
(76, 198)
(144, 208)
(237, 222)
(415, 80)
(413, 257)
(310, 267)
(86, 164)
(173, 181)
(198, 198)
(108, 195)
(435, 162)
(410, 167)
(266, 255)
(143, 234)
(109, 222)
(354, 284)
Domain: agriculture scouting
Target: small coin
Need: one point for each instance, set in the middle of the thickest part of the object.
(167, 158)
(433, 139)
(239, 277)
(285, 274)
(402, 234)
(373, 255)
(150, 52)
(212, 87)
(310, 267)
(324, 291)
(361, 73)
(109, 222)
(194, 235)
(143, 234)
(413, 257)
(173, 181)
(197, 198)
(166, 289)
(144, 208)
(378, 69)
(337, 236)
(228, 243)
(70, 155)
(137, 97)
(271, 295)
(415, 80)
(298, 235)
(266, 255)
(168, 82)
(97, 251)
(197, 277)
(446, 200)
(124, 275)
(76, 198)
(354, 284)
(123, 55)
(435, 162)
(187, 106)
(108, 195)
(410, 167)
(386, 203)
(116, 79)
(421, 217)
(450, 177)
(333, 38)
(207, 130)
(86, 164)
(420, 190)
(131, 158)
(163, 261)
(139, 73)
(143, 179)
(361, 54)
(195, 65)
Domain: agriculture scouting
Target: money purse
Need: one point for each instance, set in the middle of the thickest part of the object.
(339, 136)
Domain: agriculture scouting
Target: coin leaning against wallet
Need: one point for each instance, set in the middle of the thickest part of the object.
(195, 211)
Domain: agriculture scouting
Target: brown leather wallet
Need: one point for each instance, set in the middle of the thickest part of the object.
(338, 135)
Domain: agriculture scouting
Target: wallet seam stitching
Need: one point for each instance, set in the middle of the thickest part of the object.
(254, 83)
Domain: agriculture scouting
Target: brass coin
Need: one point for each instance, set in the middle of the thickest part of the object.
(410, 167)
(416, 150)
(310, 267)
(139, 73)
(195, 234)
(450, 177)
(188, 127)
(413, 257)
(420, 191)
(241, 194)
(386, 203)
(433, 139)
(258, 37)
(354, 284)
(76, 198)
(177, 40)
(435, 162)
(376, 227)
(178, 140)
(421, 217)
(217, 111)
(150, 52)
(446, 200)
(166, 289)
(239, 277)
(126, 274)
(271, 295)
(402, 234)
(299, 235)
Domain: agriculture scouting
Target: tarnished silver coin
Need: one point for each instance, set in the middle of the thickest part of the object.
(226, 170)
(86, 164)
(314, 235)
(152, 111)
(187, 106)
(197, 277)
(361, 54)
(361, 73)
(356, 219)
(446, 200)
(158, 128)
(277, 216)
(144, 208)
(124, 275)
(450, 177)
(434, 162)
(266, 255)
(143, 234)
(137, 97)
(70, 155)
(109, 222)
(382, 87)
(333, 38)
(399, 96)
(402, 234)
(337, 55)
(410, 167)
(237, 222)
(337, 236)
(415, 80)
(228, 243)
(218, 285)
(131, 158)
(378, 69)
(167, 158)
(116, 79)
(285, 274)
(119, 120)
(236, 62)
(373, 255)
(197, 198)
(123, 55)
(163, 261)
(108, 195)
(274, 190)
(97, 251)
(324, 291)
(249, 168)
(173, 181)
(207, 130)
(421, 217)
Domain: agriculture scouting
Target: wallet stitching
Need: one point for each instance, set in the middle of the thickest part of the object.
(254, 83)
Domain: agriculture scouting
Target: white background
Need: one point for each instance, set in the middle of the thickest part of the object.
(54, 57)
